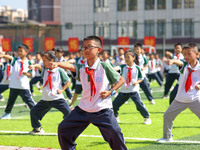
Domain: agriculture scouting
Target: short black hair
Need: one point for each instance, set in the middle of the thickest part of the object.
(138, 45)
(59, 50)
(95, 38)
(24, 46)
(177, 44)
(190, 45)
(50, 55)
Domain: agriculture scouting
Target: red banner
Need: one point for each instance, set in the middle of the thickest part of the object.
(123, 41)
(151, 41)
(73, 44)
(49, 43)
(6, 45)
(29, 43)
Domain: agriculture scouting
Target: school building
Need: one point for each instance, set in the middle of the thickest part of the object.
(169, 21)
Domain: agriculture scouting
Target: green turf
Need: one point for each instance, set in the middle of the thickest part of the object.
(186, 127)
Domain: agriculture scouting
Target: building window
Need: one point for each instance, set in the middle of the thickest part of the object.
(188, 27)
(149, 4)
(132, 5)
(149, 28)
(189, 3)
(177, 4)
(101, 6)
(102, 29)
(161, 28)
(161, 4)
(176, 27)
(132, 29)
(121, 5)
(122, 28)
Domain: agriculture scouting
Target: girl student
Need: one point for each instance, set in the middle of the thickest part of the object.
(131, 72)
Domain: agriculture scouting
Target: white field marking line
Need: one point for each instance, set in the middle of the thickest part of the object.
(99, 136)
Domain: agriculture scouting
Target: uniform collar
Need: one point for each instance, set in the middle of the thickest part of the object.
(197, 67)
(95, 65)
(53, 70)
(131, 66)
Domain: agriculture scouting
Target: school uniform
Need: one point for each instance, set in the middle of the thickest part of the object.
(78, 86)
(119, 61)
(172, 75)
(18, 84)
(187, 97)
(108, 62)
(67, 91)
(144, 84)
(37, 77)
(158, 68)
(152, 71)
(92, 108)
(128, 90)
(53, 80)
(4, 85)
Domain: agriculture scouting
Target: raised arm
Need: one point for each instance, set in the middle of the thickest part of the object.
(64, 65)
(35, 66)
(6, 56)
(175, 61)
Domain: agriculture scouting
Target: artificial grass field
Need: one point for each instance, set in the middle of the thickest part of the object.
(186, 127)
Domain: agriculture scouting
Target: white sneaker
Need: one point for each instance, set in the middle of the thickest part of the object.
(2, 99)
(69, 100)
(40, 91)
(152, 102)
(147, 121)
(37, 131)
(33, 94)
(6, 116)
(162, 140)
(117, 118)
(165, 96)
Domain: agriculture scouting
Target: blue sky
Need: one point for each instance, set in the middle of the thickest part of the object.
(14, 3)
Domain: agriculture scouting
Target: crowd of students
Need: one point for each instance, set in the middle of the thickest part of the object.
(98, 76)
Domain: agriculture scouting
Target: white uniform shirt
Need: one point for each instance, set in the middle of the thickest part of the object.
(119, 61)
(142, 62)
(174, 68)
(6, 81)
(152, 67)
(104, 75)
(37, 72)
(192, 94)
(136, 75)
(158, 64)
(21, 82)
(58, 76)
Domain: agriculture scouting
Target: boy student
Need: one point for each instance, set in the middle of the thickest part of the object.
(4, 85)
(19, 79)
(173, 73)
(95, 105)
(60, 58)
(143, 64)
(152, 71)
(37, 77)
(188, 95)
(158, 68)
(51, 93)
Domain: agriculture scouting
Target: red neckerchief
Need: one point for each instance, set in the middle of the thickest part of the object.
(22, 68)
(152, 64)
(7, 71)
(92, 85)
(82, 62)
(188, 82)
(129, 76)
(49, 80)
